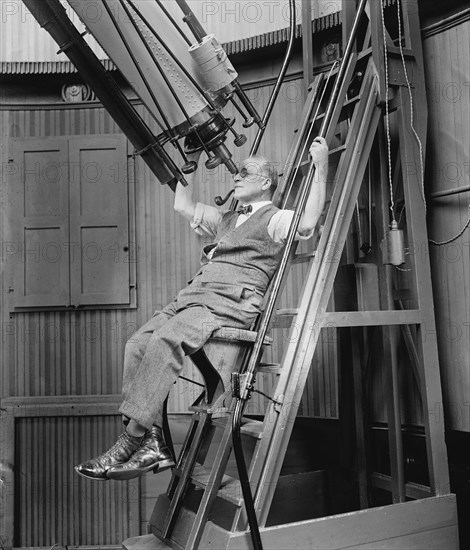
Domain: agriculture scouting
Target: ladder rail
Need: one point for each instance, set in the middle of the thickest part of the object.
(273, 444)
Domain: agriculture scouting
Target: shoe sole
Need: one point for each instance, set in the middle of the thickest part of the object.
(91, 477)
(123, 475)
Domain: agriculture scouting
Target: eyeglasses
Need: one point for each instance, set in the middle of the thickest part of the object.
(244, 173)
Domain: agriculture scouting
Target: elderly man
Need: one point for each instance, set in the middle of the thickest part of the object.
(227, 290)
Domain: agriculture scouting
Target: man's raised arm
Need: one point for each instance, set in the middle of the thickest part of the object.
(316, 200)
(184, 202)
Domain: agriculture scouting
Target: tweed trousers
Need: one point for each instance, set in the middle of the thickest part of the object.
(154, 355)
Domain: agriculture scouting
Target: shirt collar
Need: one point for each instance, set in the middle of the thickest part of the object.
(256, 206)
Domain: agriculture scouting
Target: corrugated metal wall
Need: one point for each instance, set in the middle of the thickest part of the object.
(447, 56)
(80, 352)
(54, 505)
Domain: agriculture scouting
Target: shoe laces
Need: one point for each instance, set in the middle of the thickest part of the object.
(121, 440)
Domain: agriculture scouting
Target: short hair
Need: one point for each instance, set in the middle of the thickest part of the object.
(268, 170)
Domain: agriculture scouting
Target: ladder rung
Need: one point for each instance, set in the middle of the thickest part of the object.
(200, 477)
(230, 488)
(339, 149)
(361, 318)
(253, 428)
(303, 258)
(269, 368)
(347, 103)
(287, 312)
(232, 492)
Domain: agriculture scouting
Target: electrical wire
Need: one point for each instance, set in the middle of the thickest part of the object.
(408, 85)
(387, 114)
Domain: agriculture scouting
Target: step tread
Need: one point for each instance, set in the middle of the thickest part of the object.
(251, 427)
(145, 542)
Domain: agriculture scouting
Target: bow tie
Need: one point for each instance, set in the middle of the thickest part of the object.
(245, 209)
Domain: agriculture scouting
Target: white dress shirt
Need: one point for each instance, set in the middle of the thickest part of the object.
(207, 218)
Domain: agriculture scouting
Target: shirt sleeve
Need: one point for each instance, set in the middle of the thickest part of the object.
(279, 224)
(206, 219)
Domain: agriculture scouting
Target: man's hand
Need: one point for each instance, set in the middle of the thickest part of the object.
(319, 151)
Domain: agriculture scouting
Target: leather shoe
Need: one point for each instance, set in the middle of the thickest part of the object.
(153, 454)
(120, 452)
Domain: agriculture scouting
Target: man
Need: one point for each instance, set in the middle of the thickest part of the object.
(228, 290)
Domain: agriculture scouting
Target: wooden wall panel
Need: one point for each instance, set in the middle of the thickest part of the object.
(447, 56)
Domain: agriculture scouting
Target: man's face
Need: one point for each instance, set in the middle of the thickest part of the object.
(250, 183)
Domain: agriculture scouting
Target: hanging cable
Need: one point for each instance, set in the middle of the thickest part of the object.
(387, 114)
(408, 85)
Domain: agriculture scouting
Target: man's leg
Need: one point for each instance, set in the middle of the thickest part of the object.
(154, 359)
(134, 352)
(159, 368)
(133, 436)
(161, 364)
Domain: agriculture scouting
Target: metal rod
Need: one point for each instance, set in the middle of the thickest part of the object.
(343, 66)
(448, 192)
(173, 22)
(190, 19)
(244, 479)
(280, 78)
(247, 122)
(247, 103)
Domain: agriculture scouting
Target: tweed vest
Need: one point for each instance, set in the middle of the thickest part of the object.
(245, 256)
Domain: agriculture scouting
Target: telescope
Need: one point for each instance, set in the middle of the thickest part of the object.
(181, 75)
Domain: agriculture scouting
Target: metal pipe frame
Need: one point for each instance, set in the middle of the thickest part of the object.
(280, 79)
